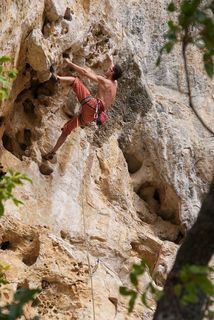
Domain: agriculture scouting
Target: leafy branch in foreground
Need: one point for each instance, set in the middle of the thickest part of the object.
(139, 270)
(7, 183)
(3, 269)
(194, 25)
(192, 280)
(7, 75)
(22, 296)
(14, 310)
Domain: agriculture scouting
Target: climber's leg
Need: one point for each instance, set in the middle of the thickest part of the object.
(66, 130)
(69, 80)
(58, 144)
(80, 90)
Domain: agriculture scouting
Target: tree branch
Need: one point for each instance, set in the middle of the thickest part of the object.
(189, 92)
(197, 249)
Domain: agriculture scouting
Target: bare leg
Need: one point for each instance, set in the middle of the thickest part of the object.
(58, 144)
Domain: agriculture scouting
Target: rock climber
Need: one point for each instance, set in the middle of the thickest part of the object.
(106, 93)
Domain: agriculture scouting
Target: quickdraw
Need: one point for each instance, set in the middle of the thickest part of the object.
(100, 115)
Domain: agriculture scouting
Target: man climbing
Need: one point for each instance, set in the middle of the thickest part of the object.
(106, 93)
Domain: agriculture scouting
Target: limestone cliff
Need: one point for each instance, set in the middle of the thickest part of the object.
(115, 194)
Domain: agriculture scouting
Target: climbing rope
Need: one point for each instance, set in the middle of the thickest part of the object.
(85, 234)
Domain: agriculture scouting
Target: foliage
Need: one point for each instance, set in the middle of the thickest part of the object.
(7, 75)
(193, 280)
(3, 269)
(194, 23)
(13, 310)
(7, 183)
(139, 270)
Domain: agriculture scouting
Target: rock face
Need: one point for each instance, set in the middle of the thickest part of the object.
(114, 194)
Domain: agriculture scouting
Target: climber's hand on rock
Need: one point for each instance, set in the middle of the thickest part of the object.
(67, 60)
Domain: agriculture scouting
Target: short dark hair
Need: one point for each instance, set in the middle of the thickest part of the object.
(117, 72)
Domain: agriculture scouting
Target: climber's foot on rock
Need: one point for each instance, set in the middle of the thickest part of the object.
(45, 169)
(48, 156)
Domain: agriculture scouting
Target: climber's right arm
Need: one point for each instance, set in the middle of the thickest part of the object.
(83, 72)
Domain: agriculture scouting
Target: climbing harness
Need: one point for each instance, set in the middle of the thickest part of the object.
(100, 115)
(85, 100)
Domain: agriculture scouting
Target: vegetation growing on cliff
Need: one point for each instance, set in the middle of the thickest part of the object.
(8, 182)
(7, 75)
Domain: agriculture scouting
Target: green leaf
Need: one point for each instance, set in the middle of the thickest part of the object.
(35, 302)
(171, 35)
(12, 74)
(25, 295)
(4, 59)
(208, 65)
(4, 81)
(3, 93)
(144, 300)
(196, 269)
(168, 46)
(17, 202)
(133, 278)
(189, 297)
(139, 268)
(132, 302)
(206, 286)
(158, 61)
(1, 209)
(125, 291)
(158, 294)
(171, 7)
(177, 289)
(200, 16)
(172, 26)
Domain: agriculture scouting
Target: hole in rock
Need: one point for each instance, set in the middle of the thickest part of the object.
(150, 194)
(7, 142)
(45, 25)
(27, 137)
(45, 284)
(1, 120)
(66, 54)
(30, 257)
(29, 260)
(67, 15)
(26, 68)
(47, 88)
(29, 107)
(6, 245)
(23, 146)
(157, 196)
(24, 284)
(162, 200)
(179, 239)
(134, 164)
